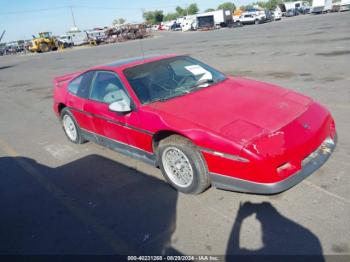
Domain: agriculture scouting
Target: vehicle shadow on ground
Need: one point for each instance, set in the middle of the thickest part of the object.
(280, 235)
(92, 205)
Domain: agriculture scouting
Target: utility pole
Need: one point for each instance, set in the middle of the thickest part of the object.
(2, 35)
(143, 10)
(71, 10)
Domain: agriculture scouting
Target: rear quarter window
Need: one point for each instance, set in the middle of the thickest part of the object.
(81, 85)
(74, 85)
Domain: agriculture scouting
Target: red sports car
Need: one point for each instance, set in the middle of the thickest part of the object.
(199, 126)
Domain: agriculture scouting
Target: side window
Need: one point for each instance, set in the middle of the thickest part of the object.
(74, 85)
(80, 86)
(107, 88)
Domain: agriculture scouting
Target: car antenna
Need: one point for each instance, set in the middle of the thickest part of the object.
(143, 28)
(142, 51)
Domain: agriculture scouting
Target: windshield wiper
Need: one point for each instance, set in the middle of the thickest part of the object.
(193, 88)
(170, 97)
(162, 99)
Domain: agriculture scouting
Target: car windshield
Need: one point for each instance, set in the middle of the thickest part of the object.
(171, 77)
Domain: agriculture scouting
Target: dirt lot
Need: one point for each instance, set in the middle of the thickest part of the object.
(60, 198)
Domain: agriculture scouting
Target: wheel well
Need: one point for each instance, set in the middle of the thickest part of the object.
(60, 107)
(157, 137)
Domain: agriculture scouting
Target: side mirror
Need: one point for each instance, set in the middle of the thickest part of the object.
(120, 106)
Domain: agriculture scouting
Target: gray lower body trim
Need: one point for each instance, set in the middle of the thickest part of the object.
(119, 147)
(310, 164)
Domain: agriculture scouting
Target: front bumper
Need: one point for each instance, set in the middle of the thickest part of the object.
(310, 164)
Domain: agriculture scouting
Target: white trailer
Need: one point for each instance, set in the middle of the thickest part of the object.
(76, 36)
(295, 4)
(344, 5)
(215, 18)
(321, 6)
(187, 23)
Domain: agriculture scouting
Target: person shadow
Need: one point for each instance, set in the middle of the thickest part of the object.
(92, 205)
(280, 237)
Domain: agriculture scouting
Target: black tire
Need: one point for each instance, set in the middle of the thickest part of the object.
(44, 47)
(257, 21)
(200, 181)
(79, 138)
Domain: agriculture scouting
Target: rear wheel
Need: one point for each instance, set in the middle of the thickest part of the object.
(182, 165)
(70, 127)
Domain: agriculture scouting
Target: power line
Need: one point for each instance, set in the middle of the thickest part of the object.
(125, 8)
(81, 7)
(33, 10)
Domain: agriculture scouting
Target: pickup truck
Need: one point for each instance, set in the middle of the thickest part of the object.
(249, 18)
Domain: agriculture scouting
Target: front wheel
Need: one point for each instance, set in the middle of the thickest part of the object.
(44, 47)
(182, 165)
(257, 22)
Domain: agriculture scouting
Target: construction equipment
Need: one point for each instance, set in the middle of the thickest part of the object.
(44, 43)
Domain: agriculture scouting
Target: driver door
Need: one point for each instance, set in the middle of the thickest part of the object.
(109, 126)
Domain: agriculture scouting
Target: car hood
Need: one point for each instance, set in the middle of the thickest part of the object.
(236, 108)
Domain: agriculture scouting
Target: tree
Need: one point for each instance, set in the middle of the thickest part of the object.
(153, 17)
(272, 4)
(170, 16)
(192, 9)
(119, 21)
(227, 5)
(209, 10)
(180, 11)
(158, 16)
(148, 16)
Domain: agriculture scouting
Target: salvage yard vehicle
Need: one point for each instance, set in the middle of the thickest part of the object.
(78, 37)
(45, 42)
(96, 36)
(199, 126)
(248, 18)
(65, 40)
(321, 6)
(344, 5)
(217, 18)
(291, 12)
(277, 15)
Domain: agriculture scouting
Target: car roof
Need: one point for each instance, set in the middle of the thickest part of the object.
(117, 65)
(132, 61)
(129, 60)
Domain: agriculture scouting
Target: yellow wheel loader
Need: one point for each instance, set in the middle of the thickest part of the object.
(45, 42)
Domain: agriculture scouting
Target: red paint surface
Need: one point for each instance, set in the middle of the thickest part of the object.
(266, 124)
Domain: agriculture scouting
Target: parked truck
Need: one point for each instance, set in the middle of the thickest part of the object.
(78, 37)
(321, 6)
(344, 5)
(218, 18)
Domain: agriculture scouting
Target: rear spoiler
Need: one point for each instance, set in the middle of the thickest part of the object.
(60, 80)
